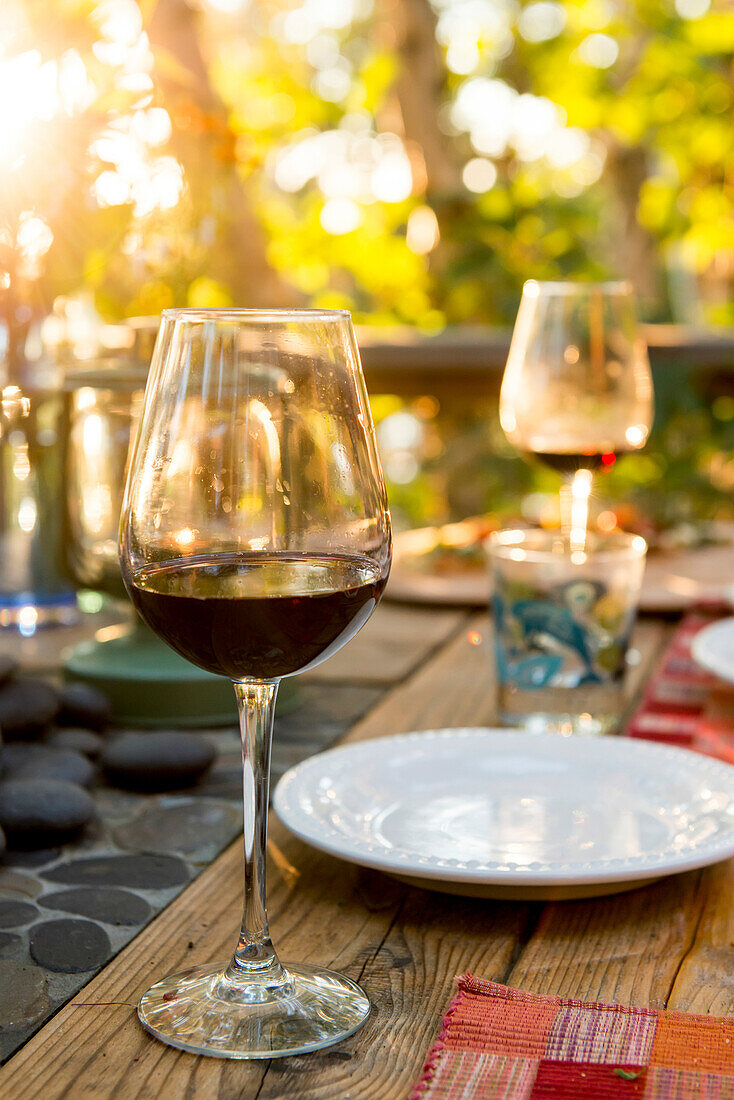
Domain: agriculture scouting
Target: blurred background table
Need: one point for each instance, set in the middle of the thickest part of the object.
(668, 944)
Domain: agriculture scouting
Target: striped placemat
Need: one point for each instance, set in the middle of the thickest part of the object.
(684, 704)
(499, 1043)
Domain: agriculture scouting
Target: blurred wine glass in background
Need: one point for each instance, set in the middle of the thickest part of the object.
(577, 390)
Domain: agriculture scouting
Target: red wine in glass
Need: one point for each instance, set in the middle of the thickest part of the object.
(570, 462)
(258, 614)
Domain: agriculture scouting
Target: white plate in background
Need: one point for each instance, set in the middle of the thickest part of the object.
(713, 648)
(500, 814)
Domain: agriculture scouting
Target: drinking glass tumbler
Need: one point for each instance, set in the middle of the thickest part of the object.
(562, 621)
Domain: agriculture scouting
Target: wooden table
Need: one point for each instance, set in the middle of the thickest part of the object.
(669, 944)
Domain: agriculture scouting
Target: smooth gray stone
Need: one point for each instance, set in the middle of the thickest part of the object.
(15, 885)
(222, 782)
(69, 946)
(27, 708)
(24, 761)
(144, 872)
(79, 740)
(22, 994)
(37, 858)
(198, 830)
(82, 705)
(14, 914)
(104, 903)
(9, 944)
(156, 761)
(36, 813)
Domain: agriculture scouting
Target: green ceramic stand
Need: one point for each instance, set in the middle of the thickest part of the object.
(148, 684)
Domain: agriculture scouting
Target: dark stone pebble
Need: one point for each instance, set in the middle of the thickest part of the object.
(69, 946)
(82, 705)
(222, 782)
(146, 872)
(27, 708)
(156, 761)
(15, 913)
(22, 761)
(194, 828)
(22, 994)
(79, 740)
(38, 812)
(37, 858)
(8, 668)
(104, 903)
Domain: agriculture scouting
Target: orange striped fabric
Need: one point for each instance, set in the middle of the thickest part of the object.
(498, 1043)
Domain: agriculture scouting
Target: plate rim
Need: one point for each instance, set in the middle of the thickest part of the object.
(566, 874)
(703, 658)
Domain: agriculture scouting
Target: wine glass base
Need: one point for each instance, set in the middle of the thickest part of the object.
(317, 1008)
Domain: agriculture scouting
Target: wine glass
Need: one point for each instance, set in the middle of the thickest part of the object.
(577, 390)
(255, 539)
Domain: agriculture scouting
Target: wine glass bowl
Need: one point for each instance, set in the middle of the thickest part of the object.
(255, 539)
(577, 390)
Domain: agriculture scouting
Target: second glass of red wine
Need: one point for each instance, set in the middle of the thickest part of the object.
(255, 539)
(577, 391)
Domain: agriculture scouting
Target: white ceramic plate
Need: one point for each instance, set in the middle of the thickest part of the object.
(501, 814)
(713, 648)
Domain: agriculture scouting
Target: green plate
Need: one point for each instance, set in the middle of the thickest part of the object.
(149, 684)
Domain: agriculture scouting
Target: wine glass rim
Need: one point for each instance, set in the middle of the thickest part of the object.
(536, 287)
(285, 313)
(542, 545)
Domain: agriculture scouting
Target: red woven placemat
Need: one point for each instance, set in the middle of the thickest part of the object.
(504, 1044)
(684, 704)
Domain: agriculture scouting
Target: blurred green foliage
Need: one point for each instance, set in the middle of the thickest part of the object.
(644, 88)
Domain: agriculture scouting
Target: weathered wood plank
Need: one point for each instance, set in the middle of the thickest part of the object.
(649, 639)
(705, 981)
(623, 949)
(457, 688)
(433, 939)
(392, 644)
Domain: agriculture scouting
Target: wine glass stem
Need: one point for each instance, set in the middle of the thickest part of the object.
(255, 973)
(575, 494)
(566, 504)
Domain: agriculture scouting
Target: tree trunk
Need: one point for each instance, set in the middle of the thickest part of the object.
(634, 251)
(409, 27)
(204, 143)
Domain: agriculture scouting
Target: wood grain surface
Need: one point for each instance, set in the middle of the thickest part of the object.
(668, 943)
